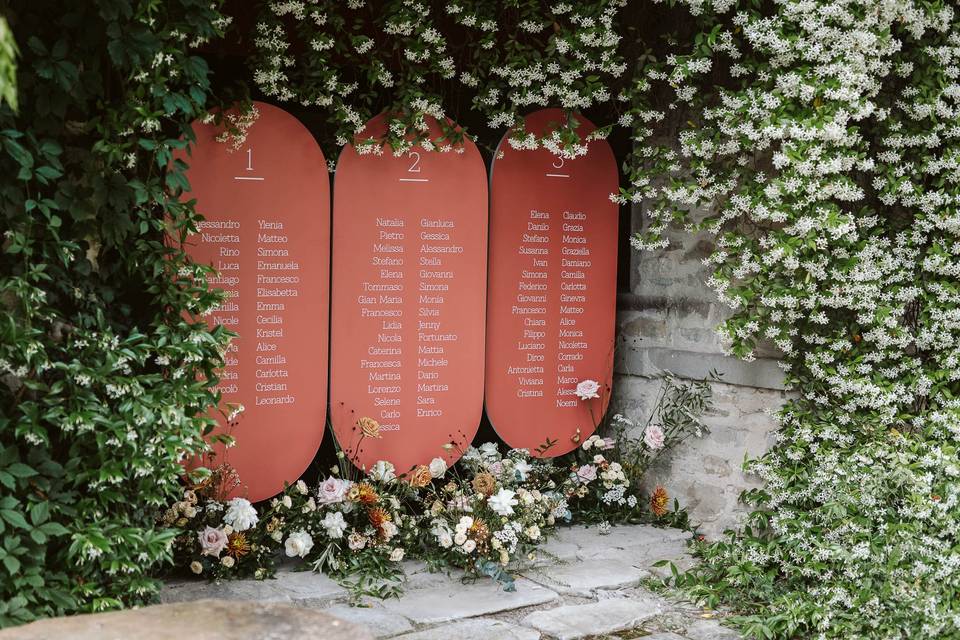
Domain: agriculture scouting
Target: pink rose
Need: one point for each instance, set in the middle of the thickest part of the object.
(332, 490)
(587, 389)
(212, 541)
(653, 437)
(587, 473)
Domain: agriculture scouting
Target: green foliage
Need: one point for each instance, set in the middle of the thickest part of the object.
(8, 65)
(824, 170)
(103, 379)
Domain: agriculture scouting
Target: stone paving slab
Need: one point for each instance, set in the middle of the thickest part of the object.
(474, 629)
(191, 591)
(583, 578)
(380, 622)
(456, 600)
(663, 635)
(200, 620)
(305, 588)
(597, 618)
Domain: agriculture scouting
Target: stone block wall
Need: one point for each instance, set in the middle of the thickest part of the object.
(665, 322)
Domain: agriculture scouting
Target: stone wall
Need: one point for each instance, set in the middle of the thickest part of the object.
(665, 322)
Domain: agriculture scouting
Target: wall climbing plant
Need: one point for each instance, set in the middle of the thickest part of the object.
(820, 149)
(102, 386)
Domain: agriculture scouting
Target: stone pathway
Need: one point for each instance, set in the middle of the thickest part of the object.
(583, 585)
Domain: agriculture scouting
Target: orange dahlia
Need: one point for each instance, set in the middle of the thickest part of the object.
(378, 517)
(237, 545)
(659, 500)
(364, 493)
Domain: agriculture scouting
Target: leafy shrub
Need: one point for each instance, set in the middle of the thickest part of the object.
(102, 376)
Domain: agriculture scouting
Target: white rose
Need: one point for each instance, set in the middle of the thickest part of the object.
(654, 437)
(302, 487)
(356, 541)
(227, 561)
(438, 467)
(396, 555)
(287, 502)
(460, 538)
(469, 546)
(298, 544)
(445, 540)
(389, 530)
(587, 389)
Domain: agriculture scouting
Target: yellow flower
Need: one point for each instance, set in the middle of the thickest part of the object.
(369, 427)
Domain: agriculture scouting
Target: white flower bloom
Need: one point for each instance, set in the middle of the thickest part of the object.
(299, 544)
(382, 471)
(334, 524)
(438, 467)
(653, 437)
(240, 514)
(588, 389)
(503, 502)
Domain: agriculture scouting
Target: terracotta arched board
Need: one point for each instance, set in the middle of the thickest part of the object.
(408, 301)
(267, 231)
(551, 291)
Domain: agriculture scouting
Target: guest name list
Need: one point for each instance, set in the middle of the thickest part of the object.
(414, 263)
(551, 315)
(274, 281)
(552, 289)
(409, 297)
(266, 231)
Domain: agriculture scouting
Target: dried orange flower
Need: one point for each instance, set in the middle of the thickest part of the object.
(479, 531)
(369, 427)
(378, 516)
(364, 493)
(420, 476)
(237, 545)
(659, 500)
(484, 484)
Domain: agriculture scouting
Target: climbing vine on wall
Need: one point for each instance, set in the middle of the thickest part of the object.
(102, 389)
(819, 147)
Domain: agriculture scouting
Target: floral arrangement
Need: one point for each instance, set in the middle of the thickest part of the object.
(487, 515)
